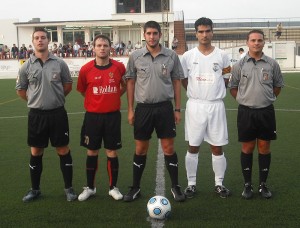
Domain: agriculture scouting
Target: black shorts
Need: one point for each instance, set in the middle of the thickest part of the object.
(159, 116)
(48, 124)
(256, 123)
(101, 126)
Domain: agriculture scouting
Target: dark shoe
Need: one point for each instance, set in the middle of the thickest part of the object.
(264, 191)
(31, 195)
(248, 191)
(190, 191)
(71, 195)
(222, 191)
(133, 194)
(177, 194)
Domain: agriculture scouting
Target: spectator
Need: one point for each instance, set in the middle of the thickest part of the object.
(242, 52)
(83, 49)
(60, 50)
(23, 52)
(69, 50)
(29, 51)
(278, 31)
(76, 48)
(128, 48)
(5, 52)
(174, 43)
(90, 49)
(117, 48)
(122, 48)
(14, 51)
(137, 45)
(55, 49)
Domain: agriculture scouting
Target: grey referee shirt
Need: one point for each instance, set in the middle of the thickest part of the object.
(154, 75)
(44, 82)
(255, 81)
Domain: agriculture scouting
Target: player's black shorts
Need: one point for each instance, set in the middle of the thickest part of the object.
(48, 124)
(256, 123)
(158, 116)
(101, 126)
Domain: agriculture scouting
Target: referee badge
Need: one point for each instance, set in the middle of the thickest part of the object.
(164, 70)
(265, 76)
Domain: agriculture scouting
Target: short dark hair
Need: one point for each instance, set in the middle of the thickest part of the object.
(203, 21)
(241, 49)
(255, 31)
(152, 24)
(100, 36)
(40, 29)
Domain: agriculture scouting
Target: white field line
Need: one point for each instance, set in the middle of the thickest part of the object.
(76, 113)
(5, 102)
(160, 184)
(291, 87)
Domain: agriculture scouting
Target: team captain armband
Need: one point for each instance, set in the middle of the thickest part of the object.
(226, 72)
(227, 76)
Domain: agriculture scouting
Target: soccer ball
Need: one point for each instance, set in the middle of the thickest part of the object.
(159, 207)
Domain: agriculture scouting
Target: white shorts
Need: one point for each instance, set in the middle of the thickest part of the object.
(205, 120)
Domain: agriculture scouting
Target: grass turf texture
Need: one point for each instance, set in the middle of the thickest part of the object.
(205, 210)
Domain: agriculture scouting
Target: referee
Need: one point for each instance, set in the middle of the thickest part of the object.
(255, 84)
(44, 80)
(153, 80)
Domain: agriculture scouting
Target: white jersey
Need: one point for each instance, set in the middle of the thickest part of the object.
(204, 73)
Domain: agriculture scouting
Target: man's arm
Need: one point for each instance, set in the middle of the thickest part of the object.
(277, 91)
(177, 99)
(130, 99)
(22, 93)
(233, 92)
(67, 88)
(184, 83)
(226, 72)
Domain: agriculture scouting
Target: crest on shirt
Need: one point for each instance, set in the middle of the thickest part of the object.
(265, 76)
(216, 67)
(111, 74)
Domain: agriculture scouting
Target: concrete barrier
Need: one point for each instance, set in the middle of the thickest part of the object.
(9, 68)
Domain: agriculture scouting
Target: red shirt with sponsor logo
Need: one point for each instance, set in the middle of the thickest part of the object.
(101, 85)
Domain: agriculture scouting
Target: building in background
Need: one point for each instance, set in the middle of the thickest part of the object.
(128, 18)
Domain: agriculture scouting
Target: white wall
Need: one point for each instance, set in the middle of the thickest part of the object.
(10, 68)
(25, 36)
(282, 51)
(8, 32)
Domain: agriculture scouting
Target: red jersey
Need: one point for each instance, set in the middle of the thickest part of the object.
(101, 85)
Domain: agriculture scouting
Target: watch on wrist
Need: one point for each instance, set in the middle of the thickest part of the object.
(177, 110)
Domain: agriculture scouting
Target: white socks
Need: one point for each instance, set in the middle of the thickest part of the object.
(219, 166)
(191, 165)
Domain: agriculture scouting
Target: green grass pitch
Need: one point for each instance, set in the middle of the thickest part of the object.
(205, 210)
